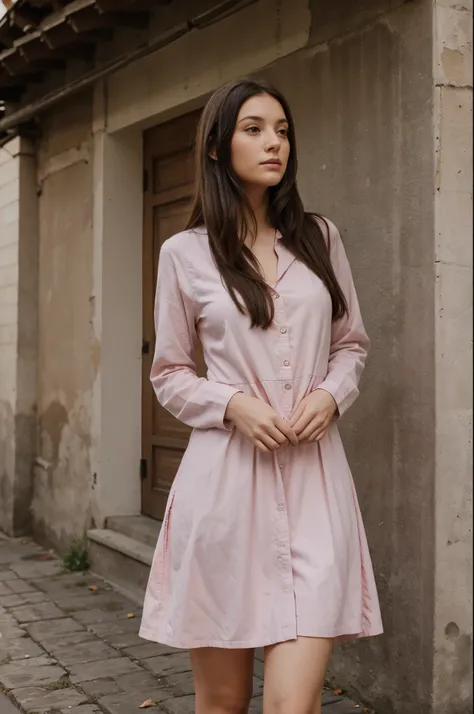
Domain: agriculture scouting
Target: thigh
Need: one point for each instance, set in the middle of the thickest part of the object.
(223, 679)
(294, 675)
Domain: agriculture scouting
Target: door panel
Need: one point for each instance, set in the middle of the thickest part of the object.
(168, 158)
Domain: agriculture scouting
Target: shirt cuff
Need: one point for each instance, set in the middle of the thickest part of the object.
(224, 393)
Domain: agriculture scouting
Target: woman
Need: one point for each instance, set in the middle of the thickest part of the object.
(262, 542)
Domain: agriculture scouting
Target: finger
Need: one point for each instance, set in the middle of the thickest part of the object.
(321, 434)
(324, 426)
(304, 420)
(285, 428)
(315, 425)
(261, 446)
(296, 414)
(278, 435)
(269, 441)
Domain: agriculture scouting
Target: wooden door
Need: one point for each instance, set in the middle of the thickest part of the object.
(169, 173)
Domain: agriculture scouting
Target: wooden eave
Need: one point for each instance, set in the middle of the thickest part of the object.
(37, 36)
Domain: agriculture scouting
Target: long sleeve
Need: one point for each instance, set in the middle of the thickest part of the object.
(194, 400)
(349, 340)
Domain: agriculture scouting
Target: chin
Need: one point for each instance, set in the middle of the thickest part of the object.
(267, 182)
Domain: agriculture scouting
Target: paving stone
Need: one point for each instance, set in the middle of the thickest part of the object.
(88, 600)
(331, 698)
(180, 684)
(11, 600)
(13, 676)
(34, 597)
(11, 552)
(168, 664)
(141, 680)
(85, 709)
(20, 586)
(102, 687)
(19, 648)
(89, 651)
(130, 702)
(43, 659)
(37, 569)
(55, 643)
(35, 612)
(39, 630)
(7, 575)
(258, 668)
(105, 668)
(36, 699)
(181, 705)
(256, 706)
(11, 632)
(257, 687)
(64, 582)
(344, 706)
(7, 619)
(4, 590)
(6, 706)
(123, 639)
(152, 649)
(107, 629)
(96, 615)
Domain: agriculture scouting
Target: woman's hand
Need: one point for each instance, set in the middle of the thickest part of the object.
(311, 418)
(260, 423)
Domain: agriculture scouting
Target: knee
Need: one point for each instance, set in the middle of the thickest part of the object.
(291, 705)
(224, 701)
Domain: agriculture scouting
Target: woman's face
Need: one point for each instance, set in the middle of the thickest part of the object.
(260, 146)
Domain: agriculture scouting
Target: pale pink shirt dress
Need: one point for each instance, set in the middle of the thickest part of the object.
(256, 548)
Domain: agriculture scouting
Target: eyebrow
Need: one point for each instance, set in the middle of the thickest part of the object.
(256, 118)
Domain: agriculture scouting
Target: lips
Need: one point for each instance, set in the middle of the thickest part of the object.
(272, 162)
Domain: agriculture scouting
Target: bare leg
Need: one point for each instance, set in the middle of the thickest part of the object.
(294, 675)
(223, 680)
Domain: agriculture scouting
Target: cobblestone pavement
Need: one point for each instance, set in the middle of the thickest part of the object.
(69, 645)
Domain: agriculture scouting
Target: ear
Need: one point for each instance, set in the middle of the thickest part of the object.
(212, 155)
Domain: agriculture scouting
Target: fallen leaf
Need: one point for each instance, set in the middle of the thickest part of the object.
(93, 588)
(337, 692)
(130, 615)
(366, 711)
(45, 556)
(147, 704)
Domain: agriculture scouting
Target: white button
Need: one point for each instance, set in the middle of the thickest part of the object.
(287, 386)
(286, 363)
(280, 507)
(283, 330)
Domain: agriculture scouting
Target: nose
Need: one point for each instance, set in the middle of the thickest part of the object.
(273, 142)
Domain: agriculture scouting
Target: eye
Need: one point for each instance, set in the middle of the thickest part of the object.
(283, 132)
(252, 129)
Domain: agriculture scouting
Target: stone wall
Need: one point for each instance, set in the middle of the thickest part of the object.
(18, 332)
(453, 349)
(67, 356)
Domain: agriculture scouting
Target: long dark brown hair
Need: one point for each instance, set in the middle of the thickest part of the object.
(220, 204)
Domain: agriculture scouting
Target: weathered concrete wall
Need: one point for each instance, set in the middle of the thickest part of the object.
(67, 356)
(362, 100)
(9, 238)
(18, 332)
(453, 324)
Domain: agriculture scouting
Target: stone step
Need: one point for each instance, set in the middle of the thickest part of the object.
(121, 560)
(141, 528)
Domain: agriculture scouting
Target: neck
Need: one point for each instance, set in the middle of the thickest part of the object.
(258, 200)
